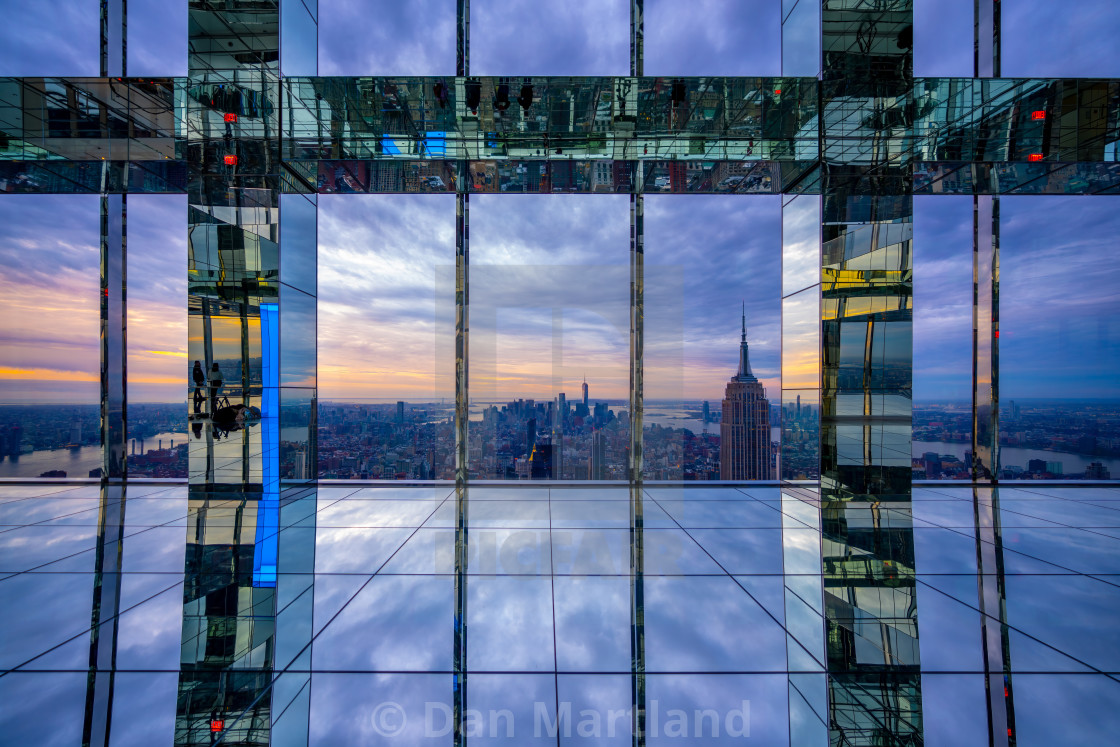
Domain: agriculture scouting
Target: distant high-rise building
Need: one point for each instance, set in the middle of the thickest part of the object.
(76, 432)
(744, 449)
(932, 462)
(299, 464)
(540, 461)
(13, 440)
(1097, 471)
(530, 435)
(585, 393)
(707, 412)
(597, 464)
(563, 405)
(400, 412)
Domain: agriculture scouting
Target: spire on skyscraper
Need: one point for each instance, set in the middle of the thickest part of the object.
(744, 357)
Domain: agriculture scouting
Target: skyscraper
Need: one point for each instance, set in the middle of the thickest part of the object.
(597, 463)
(585, 392)
(744, 447)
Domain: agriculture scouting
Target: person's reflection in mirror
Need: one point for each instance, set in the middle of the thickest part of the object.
(199, 377)
(215, 386)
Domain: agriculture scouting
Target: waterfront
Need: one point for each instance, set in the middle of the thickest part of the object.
(76, 463)
(1010, 456)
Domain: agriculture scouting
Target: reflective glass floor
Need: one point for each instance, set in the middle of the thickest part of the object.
(354, 627)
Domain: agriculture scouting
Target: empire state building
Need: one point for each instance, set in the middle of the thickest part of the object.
(744, 446)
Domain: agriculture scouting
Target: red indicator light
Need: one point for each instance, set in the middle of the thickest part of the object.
(1005, 692)
(777, 92)
(1038, 115)
(997, 334)
(217, 725)
(1034, 157)
(231, 160)
(231, 117)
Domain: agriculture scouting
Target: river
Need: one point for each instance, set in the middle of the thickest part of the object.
(75, 462)
(1010, 456)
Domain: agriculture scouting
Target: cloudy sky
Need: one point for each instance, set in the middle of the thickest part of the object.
(550, 278)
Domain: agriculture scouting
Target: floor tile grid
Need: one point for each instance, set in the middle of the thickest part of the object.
(24, 665)
(763, 607)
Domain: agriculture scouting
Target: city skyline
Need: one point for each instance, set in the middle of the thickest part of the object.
(50, 358)
(329, 555)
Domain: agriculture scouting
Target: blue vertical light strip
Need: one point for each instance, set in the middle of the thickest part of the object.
(268, 514)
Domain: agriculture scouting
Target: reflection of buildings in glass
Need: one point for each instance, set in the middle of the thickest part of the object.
(745, 427)
(228, 623)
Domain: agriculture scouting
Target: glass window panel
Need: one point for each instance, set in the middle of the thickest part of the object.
(1082, 631)
(383, 37)
(592, 623)
(157, 39)
(509, 551)
(356, 550)
(718, 37)
(590, 514)
(943, 38)
(52, 360)
(510, 623)
(144, 708)
(1059, 338)
(158, 367)
(61, 694)
(549, 311)
(743, 550)
(51, 39)
(386, 337)
(511, 709)
(44, 610)
(151, 626)
(801, 340)
(801, 38)
(801, 434)
(590, 551)
(344, 708)
(594, 708)
(154, 549)
(299, 37)
(297, 338)
(705, 258)
(383, 513)
(671, 552)
(408, 617)
(942, 336)
(691, 623)
(298, 237)
(1061, 550)
(691, 703)
(745, 513)
(1047, 705)
(944, 550)
(801, 243)
(963, 696)
(550, 38)
(949, 639)
(1045, 40)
